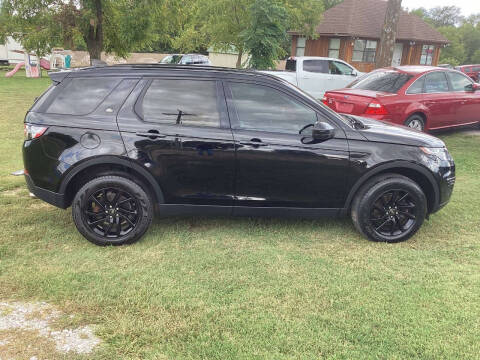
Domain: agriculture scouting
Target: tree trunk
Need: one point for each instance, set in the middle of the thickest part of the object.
(94, 38)
(239, 59)
(389, 34)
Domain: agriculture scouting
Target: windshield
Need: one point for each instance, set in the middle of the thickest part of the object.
(385, 81)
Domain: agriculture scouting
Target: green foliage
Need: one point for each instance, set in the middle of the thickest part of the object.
(264, 38)
(462, 33)
(30, 23)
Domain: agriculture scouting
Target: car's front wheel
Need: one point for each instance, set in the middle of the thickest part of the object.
(112, 210)
(389, 208)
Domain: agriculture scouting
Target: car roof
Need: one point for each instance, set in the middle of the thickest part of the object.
(315, 58)
(162, 69)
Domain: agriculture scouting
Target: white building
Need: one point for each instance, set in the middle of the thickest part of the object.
(7, 51)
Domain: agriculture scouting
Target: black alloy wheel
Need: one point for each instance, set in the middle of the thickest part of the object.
(393, 213)
(112, 210)
(389, 208)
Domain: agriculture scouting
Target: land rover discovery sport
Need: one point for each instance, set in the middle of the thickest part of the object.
(118, 143)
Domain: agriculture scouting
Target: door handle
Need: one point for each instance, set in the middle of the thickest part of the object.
(152, 134)
(254, 142)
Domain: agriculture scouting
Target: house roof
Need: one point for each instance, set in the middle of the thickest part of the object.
(365, 18)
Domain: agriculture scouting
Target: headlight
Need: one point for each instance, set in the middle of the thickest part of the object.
(437, 153)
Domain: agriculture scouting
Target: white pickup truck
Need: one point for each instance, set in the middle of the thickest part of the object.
(316, 75)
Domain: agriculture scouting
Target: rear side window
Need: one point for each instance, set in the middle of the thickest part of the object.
(436, 82)
(82, 95)
(187, 102)
(476, 68)
(459, 81)
(291, 65)
(417, 86)
(385, 81)
(316, 66)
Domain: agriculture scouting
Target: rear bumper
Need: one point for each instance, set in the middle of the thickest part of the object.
(50, 197)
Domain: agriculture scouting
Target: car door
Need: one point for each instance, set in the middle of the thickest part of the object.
(178, 130)
(438, 100)
(468, 102)
(341, 75)
(276, 165)
(314, 77)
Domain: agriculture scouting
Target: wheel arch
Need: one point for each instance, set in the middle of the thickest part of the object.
(414, 172)
(420, 113)
(108, 165)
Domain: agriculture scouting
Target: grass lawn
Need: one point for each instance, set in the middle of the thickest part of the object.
(218, 288)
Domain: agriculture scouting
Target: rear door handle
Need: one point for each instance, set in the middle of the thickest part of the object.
(152, 134)
(254, 142)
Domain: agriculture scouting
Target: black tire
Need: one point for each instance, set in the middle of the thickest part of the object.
(389, 208)
(415, 122)
(112, 210)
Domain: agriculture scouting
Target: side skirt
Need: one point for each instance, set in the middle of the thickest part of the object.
(242, 211)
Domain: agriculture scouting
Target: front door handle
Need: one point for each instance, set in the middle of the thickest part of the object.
(151, 134)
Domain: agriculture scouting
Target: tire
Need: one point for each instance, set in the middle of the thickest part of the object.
(112, 210)
(415, 122)
(377, 215)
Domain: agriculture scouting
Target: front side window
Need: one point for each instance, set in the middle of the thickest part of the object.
(459, 81)
(436, 82)
(316, 66)
(263, 108)
(364, 51)
(181, 102)
(334, 48)
(81, 96)
(338, 68)
(301, 43)
(427, 55)
(385, 81)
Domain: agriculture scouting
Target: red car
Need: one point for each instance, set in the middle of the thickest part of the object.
(421, 97)
(471, 70)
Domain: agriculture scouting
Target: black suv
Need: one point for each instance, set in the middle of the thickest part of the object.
(119, 142)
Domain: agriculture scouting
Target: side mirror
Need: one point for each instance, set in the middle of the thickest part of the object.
(323, 131)
(472, 87)
(354, 73)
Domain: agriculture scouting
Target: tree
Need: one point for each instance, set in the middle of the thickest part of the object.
(445, 15)
(264, 38)
(223, 23)
(389, 34)
(114, 26)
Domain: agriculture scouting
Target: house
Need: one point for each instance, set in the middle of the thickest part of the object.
(351, 31)
(9, 51)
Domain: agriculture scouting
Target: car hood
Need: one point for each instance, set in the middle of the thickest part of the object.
(380, 131)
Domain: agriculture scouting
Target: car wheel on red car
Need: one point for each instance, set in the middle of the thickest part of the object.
(415, 122)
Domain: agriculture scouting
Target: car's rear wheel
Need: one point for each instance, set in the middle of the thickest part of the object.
(389, 208)
(112, 210)
(415, 122)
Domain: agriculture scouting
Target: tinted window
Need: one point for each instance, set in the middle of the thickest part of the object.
(386, 81)
(339, 68)
(436, 82)
(186, 102)
(417, 86)
(459, 81)
(263, 108)
(291, 65)
(316, 66)
(82, 96)
(476, 68)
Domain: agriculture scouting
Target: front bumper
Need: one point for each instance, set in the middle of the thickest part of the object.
(50, 197)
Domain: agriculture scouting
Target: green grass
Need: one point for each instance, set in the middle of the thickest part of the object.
(248, 288)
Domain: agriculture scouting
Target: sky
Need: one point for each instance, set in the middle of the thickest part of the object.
(468, 6)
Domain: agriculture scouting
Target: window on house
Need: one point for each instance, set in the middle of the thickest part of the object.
(427, 55)
(301, 42)
(364, 50)
(334, 48)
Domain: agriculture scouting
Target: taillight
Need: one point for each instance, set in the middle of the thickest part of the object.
(375, 108)
(325, 100)
(34, 131)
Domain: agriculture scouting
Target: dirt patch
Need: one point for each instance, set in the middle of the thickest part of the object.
(26, 329)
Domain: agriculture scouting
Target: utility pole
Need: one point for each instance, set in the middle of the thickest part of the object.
(389, 34)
